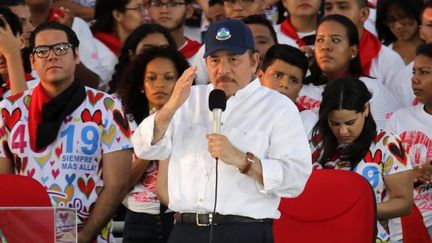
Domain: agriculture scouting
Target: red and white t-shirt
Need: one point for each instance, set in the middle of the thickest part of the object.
(142, 198)
(189, 49)
(70, 168)
(414, 127)
(383, 102)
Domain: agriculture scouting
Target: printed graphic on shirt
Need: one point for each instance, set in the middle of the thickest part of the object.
(71, 167)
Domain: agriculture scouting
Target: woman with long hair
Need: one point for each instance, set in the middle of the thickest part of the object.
(145, 36)
(147, 87)
(346, 137)
(398, 24)
(336, 55)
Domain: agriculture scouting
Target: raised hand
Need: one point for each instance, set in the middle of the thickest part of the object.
(181, 89)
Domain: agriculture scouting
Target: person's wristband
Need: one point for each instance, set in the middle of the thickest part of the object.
(250, 158)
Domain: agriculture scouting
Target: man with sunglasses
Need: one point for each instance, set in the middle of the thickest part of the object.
(60, 132)
(172, 15)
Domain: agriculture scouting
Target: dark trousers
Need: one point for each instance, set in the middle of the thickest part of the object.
(223, 233)
(143, 227)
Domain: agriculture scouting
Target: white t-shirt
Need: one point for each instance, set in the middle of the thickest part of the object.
(88, 53)
(382, 103)
(273, 133)
(87, 3)
(386, 66)
(142, 198)
(202, 76)
(284, 39)
(309, 120)
(402, 87)
(107, 63)
(414, 127)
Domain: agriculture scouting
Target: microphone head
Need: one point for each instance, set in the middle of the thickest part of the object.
(217, 99)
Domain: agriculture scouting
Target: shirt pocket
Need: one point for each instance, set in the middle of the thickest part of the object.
(253, 141)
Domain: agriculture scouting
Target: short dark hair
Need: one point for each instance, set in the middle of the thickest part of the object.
(131, 44)
(129, 89)
(355, 67)
(70, 34)
(11, 3)
(215, 2)
(288, 54)
(424, 50)
(262, 20)
(411, 8)
(343, 94)
(12, 20)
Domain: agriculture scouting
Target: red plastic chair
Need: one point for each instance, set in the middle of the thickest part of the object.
(22, 191)
(22, 226)
(336, 206)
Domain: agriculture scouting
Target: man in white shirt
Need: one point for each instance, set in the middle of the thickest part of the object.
(262, 147)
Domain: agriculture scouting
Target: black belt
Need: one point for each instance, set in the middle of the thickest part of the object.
(205, 219)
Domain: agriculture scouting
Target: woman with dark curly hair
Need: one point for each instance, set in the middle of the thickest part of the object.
(398, 24)
(346, 137)
(147, 87)
(145, 36)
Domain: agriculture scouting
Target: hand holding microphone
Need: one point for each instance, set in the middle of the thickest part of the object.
(218, 145)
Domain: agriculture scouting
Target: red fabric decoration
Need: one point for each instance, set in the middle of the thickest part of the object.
(191, 48)
(370, 46)
(290, 31)
(299, 107)
(112, 42)
(38, 99)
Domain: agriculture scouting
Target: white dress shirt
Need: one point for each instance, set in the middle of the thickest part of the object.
(257, 120)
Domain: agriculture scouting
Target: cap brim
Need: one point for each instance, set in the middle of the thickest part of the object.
(232, 49)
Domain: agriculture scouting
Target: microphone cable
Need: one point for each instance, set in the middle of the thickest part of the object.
(215, 202)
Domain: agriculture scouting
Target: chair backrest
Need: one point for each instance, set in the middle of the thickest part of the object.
(335, 206)
(22, 191)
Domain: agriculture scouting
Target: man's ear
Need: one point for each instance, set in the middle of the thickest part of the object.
(254, 61)
(32, 60)
(22, 41)
(260, 73)
(76, 56)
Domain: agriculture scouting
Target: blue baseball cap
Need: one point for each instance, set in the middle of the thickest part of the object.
(230, 35)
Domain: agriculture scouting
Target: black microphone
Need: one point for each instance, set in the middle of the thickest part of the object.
(217, 104)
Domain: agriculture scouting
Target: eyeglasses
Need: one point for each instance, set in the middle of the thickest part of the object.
(59, 49)
(140, 8)
(158, 4)
(401, 19)
(240, 2)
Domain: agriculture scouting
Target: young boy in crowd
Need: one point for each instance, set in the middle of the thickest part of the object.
(283, 69)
